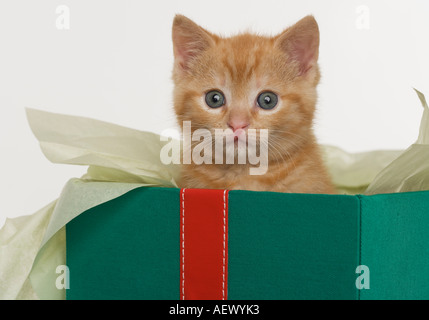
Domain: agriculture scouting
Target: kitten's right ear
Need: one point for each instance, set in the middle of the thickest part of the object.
(301, 43)
(189, 40)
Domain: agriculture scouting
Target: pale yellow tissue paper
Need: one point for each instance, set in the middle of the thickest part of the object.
(352, 173)
(20, 240)
(121, 159)
(132, 155)
(410, 171)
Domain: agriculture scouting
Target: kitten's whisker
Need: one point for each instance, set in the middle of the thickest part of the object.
(277, 146)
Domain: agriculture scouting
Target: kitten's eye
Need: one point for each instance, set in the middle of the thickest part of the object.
(267, 100)
(215, 99)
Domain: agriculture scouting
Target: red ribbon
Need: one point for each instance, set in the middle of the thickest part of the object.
(203, 244)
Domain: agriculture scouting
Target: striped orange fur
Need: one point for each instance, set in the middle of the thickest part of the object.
(241, 67)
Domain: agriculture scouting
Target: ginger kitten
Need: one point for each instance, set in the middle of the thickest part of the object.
(249, 82)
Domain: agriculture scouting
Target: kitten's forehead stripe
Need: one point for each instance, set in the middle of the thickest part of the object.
(230, 66)
(242, 57)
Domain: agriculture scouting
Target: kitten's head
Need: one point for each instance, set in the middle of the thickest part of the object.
(248, 81)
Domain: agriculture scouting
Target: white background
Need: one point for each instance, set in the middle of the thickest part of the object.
(114, 64)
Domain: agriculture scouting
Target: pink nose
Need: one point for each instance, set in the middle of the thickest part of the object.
(236, 125)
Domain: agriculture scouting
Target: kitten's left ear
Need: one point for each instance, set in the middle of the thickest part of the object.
(189, 40)
(301, 43)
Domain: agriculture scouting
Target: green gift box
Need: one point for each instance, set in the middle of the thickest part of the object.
(118, 232)
(280, 246)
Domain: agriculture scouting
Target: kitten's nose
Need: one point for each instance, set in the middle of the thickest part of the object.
(238, 124)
